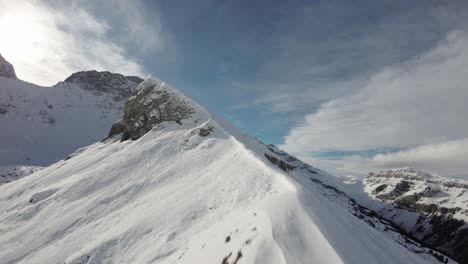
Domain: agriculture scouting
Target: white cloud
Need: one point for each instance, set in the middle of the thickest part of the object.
(419, 106)
(293, 96)
(46, 43)
(139, 26)
(323, 52)
(449, 158)
(419, 102)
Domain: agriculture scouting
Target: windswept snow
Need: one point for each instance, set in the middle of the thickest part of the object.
(176, 195)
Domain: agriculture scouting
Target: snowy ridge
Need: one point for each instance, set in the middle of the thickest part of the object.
(191, 189)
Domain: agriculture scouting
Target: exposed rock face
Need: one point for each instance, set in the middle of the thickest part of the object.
(280, 163)
(153, 103)
(205, 131)
(6, 69)
(118, 85)
(438, 205)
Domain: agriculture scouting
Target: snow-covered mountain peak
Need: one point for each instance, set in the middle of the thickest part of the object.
(6, 68)
(430, 207)
(118, 85)
(415, 178)
(420, 191)
(404, 173)
(153, 103)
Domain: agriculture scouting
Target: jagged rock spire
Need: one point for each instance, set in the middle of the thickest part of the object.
(7, 69)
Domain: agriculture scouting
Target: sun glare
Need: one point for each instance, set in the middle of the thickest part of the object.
(22, 36)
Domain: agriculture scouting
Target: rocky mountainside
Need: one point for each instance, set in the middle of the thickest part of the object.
(41, 125)
(174, 184)
(118, 86)
(153, 104)
(431, 208)
(6, 69)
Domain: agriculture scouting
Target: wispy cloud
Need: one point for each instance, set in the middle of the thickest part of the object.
(447, 158)
(48, 41)
(418, 102)
(134, 25)
(328, 49)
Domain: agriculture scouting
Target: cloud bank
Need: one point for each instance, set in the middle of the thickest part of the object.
(449, 158)
(418, 105)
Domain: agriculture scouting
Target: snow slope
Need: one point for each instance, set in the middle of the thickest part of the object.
(41, 125)
(183, 193)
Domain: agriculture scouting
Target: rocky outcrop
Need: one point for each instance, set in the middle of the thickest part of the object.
(7, 69)
(280, 163)
(120, 86)
(153, 103)
(205, 131)
(437, 205)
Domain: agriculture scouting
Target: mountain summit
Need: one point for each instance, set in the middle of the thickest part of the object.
(156, 102)
(118, 85)
(174, 184)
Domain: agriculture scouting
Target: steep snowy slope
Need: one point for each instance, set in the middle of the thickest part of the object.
(41, 125)
(174, 184)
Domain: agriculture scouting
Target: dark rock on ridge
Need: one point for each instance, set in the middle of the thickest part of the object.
(152, 104)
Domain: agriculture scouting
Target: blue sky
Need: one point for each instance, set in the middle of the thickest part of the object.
(299, 74)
